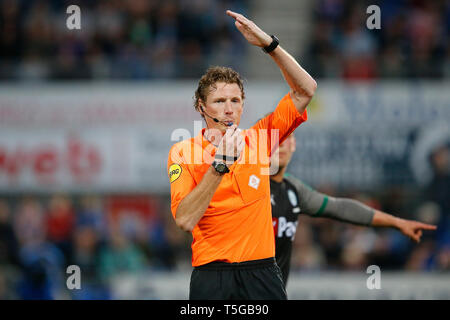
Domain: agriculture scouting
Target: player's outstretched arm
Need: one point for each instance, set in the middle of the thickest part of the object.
(302, 85)
(353, 211)
(317, 204)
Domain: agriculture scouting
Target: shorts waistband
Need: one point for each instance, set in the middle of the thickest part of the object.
(221, 265)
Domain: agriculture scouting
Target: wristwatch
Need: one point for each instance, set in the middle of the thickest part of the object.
(272, 46)
(220, 167)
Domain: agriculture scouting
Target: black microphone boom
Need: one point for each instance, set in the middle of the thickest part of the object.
(228, 124)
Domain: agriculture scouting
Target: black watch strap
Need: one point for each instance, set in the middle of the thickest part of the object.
(272, 46)
(225, 158)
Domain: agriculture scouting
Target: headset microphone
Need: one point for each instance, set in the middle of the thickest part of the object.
(228, 124)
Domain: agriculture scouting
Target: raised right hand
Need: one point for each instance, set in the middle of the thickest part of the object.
(251, 32)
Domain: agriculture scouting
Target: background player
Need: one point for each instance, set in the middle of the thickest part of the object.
(291, 197)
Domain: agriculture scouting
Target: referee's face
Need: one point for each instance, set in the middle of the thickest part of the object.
(224, 103)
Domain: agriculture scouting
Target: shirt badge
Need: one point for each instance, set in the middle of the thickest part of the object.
(253, 182)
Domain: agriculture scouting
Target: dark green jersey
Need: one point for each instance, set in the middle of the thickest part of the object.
(292, 197)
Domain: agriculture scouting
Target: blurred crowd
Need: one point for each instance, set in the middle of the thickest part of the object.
(135, 39)
(40, 236)
(413, 41)
(166, 39)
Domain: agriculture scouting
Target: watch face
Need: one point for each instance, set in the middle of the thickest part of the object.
(221, 167)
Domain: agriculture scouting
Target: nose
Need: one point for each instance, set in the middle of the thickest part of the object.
(228, 107)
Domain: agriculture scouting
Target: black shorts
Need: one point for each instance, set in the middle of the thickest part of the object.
(249, 280)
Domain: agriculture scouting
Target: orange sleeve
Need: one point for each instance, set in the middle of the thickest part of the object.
(286, 118)
(181, 180)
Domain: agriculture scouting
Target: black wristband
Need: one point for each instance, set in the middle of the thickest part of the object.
(272, 46)
(225, 158)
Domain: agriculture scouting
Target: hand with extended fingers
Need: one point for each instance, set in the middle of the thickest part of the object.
(250, 30)
(413, 229)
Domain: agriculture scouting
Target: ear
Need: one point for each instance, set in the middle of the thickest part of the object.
(201, 106)
(201, 109)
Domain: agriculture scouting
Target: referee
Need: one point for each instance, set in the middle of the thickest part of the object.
(220, 192)
(291, 197)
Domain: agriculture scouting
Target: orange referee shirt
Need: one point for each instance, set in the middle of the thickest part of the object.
(237, 225)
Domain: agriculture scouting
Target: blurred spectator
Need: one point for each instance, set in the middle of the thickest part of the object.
(28, 222)
(420, 257)
(308, 255)
(322, 59)
(85, 254)
(357, 46)
(60, 220)
(328, 235)
(168, 245)
(438, 192)
(85, 246)
(41, 262)
(42, 267)
(391, 62)
(8, 282)
(357, 244)
(442, 259)
(119, 256)
(3, 289)
(440, 184)
(91, 214)
(8, 240)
